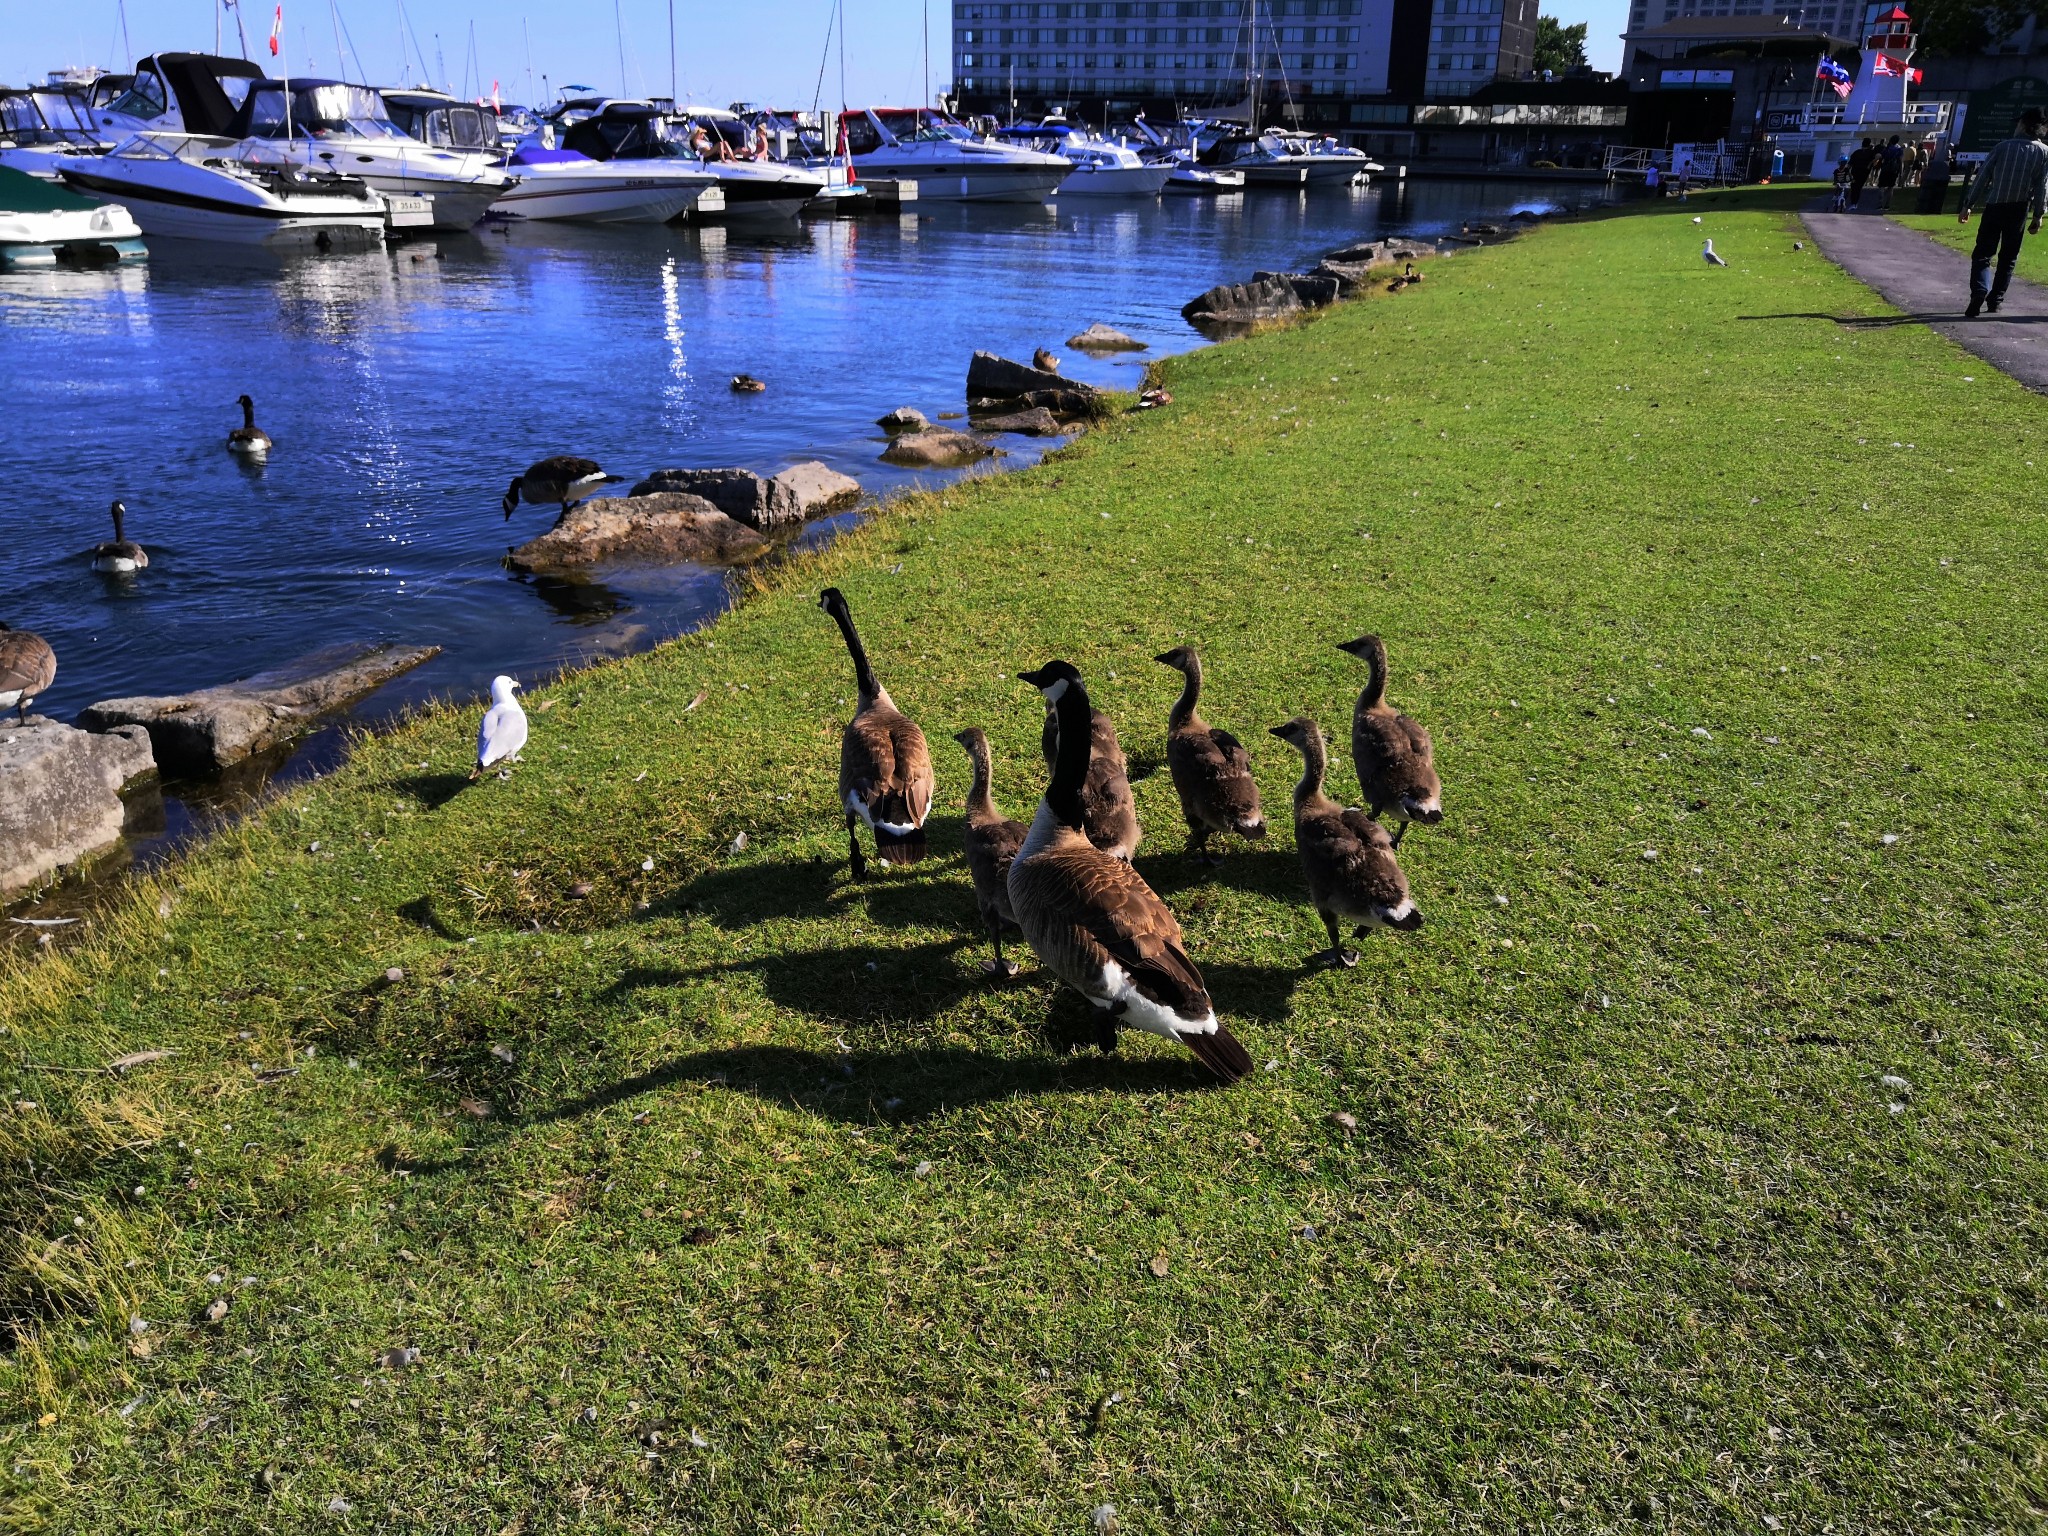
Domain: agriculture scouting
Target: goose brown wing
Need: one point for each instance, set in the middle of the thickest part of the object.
(1213, 771)
(27, 663)
(565, 467)
(1355, 854)
(1090, 910)
(913, 778)
(867, 758)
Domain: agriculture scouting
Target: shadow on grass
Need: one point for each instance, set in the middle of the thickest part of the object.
(1919, 317)
(928, 893)
(845, 985)
(430, 791)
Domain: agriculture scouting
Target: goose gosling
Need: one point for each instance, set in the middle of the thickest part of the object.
(885, 768)
(1353, 875)
(992, 843)
(119, 557)
(503, 733)
(249, 440)
(1091, 918)
(27, 668)
(1396, 764)
(1044, 361)
(1212, 772)
(1109, 812)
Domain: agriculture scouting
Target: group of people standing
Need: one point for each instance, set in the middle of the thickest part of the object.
(1892, 164)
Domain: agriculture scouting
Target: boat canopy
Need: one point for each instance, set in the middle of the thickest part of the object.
(23, 193)
(442, 120)
(318, 109)
(207, 87)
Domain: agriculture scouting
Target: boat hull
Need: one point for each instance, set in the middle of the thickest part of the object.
(1284, 178)
(573, 196)
(1029, 184)
(1123, 181)
(190, 210)
(764, 195)
(1336, 171)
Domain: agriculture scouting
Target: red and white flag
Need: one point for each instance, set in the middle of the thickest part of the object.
(276, 30)
(1887, 65)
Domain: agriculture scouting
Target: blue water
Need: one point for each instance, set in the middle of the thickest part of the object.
(405, 388)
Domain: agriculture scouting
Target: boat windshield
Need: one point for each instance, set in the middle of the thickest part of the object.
(937, 129)
(320, 111)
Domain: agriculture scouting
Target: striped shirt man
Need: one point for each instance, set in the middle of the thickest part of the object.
(2016, 171)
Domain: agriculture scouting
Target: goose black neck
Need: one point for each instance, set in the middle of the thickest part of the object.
(978, 792)
(249, 415)
(119, 536)
(1070, 763)
(1376, 684)
(863, 674)
(1190, 695)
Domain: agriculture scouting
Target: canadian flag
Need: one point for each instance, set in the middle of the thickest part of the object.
(276, 30)
(1887, 65)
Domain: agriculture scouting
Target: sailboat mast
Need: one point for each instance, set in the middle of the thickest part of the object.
(673, 99)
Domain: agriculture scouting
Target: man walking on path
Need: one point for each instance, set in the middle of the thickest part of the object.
(2011, 188)
(1860, 163)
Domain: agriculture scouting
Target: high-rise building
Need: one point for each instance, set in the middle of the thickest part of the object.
(1320, 62)
(1842, 18)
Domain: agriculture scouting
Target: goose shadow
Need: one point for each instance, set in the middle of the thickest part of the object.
(430, 791)
(846, 985)
(1258, 869)
(934, 892)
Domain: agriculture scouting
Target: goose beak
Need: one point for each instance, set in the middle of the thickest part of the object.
(1428, 812)
(1282, 732)
(1165, 659)
(1038, 679)
(1351, 647)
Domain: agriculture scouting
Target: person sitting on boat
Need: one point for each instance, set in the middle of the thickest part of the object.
(760, 149)
(700, 142)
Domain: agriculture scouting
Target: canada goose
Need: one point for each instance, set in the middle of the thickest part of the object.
(503, 733)
(992, 842)
(885, 768)
(1108, 813)
(1211, 770)
(1092, 919)
(119, 558)
(562, 480)
(249, 440)
(1353, 876)
(1044, 361)
(1396, 770)
(1397, 284)
(1411, 274)
(27, 667)
(747, 384)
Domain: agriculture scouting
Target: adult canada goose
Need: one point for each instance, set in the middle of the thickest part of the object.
(27, 667)
(562, 480)
(503, 733)
(747, 384)
(1397, 284)
(992, 842)
(1045, 361)
(1353, 875)
(1411, 274)
(1108, 812)
(1093, 920)
(249, 440)
(1211, 770)
(1396, 767)
(119, 558)
(885, 768)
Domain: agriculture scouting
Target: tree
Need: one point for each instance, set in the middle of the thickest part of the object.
(1559, 47)
(1962, 27)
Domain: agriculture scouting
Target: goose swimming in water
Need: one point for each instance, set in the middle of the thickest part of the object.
(1353, 875)
(120, 557)
(992, 843)
(249, 440)
(503, 733)
(1091, 918)
(885, 768)
(1395, 761)
(560, 481)
(27, 667)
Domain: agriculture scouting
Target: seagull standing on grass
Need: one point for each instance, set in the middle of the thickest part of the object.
(1711, 257)
(504, 729)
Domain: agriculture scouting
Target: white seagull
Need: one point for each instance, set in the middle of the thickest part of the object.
(504, 729)
(1712, 259)
(1696, 219)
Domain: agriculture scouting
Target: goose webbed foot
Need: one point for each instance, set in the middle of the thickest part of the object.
(999, 967)
(1335, 958)
(1198, 848)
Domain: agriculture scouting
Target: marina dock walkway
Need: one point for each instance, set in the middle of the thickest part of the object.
(1930, 283)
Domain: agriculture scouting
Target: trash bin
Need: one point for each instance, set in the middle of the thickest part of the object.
(1777, 165)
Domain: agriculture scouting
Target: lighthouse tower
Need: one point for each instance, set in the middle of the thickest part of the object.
(1879, 95)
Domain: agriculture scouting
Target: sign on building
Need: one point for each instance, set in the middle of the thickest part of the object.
(1995, 111)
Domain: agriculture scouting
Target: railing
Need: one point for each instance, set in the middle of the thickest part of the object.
(1710, 168)
(1932, 115)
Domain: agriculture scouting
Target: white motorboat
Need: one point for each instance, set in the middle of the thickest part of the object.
(39, 129)
(1184, 175)
(561, 184)
(949, 164)
(753, 187)
(1261, 158)
(193, 187)
(42, 224)
(1327, 162)
(331, 125)
(1100, 168)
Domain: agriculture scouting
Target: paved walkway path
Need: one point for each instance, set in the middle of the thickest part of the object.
(1931, 283)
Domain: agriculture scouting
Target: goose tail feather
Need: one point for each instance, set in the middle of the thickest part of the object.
(899, 847)
(1221, 1053)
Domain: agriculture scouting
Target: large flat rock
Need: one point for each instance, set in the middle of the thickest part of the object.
(662, 528)
(60, 795)
(997, 380)
(938, 448)
(802, 491)
(196, 735)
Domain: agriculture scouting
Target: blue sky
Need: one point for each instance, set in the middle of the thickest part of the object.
(754, 50)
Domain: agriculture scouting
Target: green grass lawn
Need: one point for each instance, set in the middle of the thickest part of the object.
(1698, 1166)
(2033, 262)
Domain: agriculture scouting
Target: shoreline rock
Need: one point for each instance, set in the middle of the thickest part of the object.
(196, 735)
(903, 419)
(997, 384)
(938, 448)
(61, 795)
(1035, 422)
(800, 492)
(659, 528)
(1104, 338)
